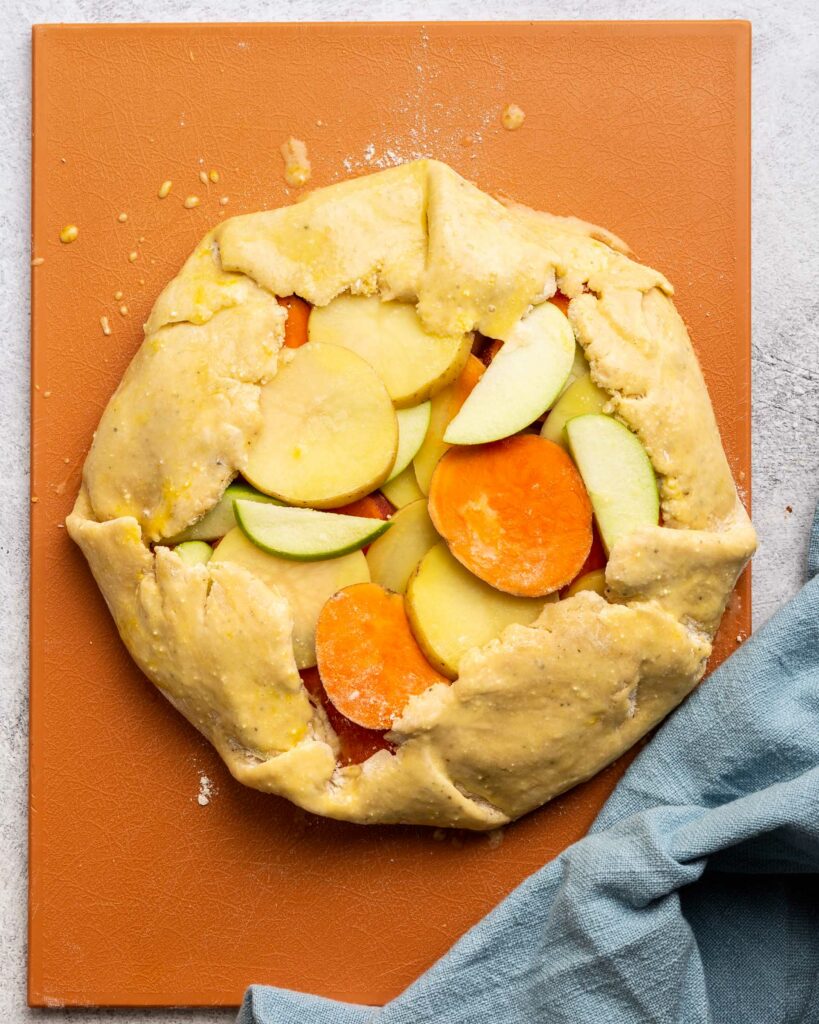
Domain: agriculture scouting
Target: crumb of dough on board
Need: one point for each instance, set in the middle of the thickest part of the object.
(69, 233)
(164, 189)
(296, 162)
(105, 325)
(512, 117)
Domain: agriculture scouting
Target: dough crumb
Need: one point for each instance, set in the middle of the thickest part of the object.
(495, 838)
(122, 217)
(205, 791)
(190, 202)
(164, 189)
(296, 163)
(38, 261)
(512, 117)
(69, 233)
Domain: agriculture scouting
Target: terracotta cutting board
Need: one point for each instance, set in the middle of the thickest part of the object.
(140, 893)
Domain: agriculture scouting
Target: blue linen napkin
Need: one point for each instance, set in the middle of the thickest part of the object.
(695, 896)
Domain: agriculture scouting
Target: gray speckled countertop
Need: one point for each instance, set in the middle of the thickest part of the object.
(785, 346)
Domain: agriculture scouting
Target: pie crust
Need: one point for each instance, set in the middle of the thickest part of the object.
(535, 711)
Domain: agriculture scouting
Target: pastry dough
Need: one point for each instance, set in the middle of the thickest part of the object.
(535, 711)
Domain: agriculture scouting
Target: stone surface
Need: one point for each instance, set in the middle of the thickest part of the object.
(785, 349)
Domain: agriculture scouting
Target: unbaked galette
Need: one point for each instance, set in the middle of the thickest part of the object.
(413, 502)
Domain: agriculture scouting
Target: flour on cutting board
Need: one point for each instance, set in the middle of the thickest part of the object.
(205, 791)
(420, 137)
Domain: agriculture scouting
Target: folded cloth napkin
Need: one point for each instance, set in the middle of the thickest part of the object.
(694, 898)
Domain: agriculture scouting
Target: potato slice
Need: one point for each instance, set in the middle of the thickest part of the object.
(594, 580)
(393, 557)
(412, 363)
(581, 397)
(444, 407)
(329, 434)
(451, 611)
(306, 585)
(402, 489)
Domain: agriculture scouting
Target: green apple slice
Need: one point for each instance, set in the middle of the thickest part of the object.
(580, 367)
(194, 552)
(617, 473)
(220, 519)
(450, 610)
(402, 489)
(303, 534)
(521, 382)
(393, 558)
(412, 429)
(581, 397)
(413, 363)
(594, 581)
(329, 433)
(306, 585)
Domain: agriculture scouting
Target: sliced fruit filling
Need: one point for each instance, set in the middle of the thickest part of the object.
(411, 500)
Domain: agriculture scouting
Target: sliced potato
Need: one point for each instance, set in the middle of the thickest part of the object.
(306, 585)
(445, 405)
(393, 558)
(221, 519)
(581, 397)
(595, 580)
(402, 489)
(451, 611)
(413, 424)
(412, 363)
(329, 434)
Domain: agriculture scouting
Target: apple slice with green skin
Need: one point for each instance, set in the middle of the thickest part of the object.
(303, 534)
(402, 489)
(194, 552)
(306, 585)
(580, 398)
(394, 557)
(412, 429)
(451, 611)
(580, 367)
(521, 382)
(220, 519)
(594, 581)
(617, 473)
(413, 363)
(329, 433)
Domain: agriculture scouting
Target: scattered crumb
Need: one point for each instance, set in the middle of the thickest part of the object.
(789, 509)
(38, 261)
(205, 791)
(66, 460)
(69, 233)
(141, 239)
(512, 117)
(123, 310)
(133, 256)
(495, 838)
(203, 177)
(296, 163)
(224, 201)
(46, 394)
(190, 202)
(60, 526)
(106, 328)
(213, 176)
(34, 500)
(117, 296)
(164, 189)
(122, 218)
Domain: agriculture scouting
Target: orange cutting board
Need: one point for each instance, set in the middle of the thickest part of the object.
(140, 894)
